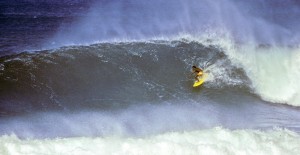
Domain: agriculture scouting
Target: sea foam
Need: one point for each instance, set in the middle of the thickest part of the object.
(215, 141)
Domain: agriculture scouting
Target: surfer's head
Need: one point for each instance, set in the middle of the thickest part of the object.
(194, 68)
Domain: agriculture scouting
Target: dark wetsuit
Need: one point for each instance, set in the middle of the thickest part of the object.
(198, 71)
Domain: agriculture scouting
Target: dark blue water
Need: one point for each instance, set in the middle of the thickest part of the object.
(26, 25)
(33, 25)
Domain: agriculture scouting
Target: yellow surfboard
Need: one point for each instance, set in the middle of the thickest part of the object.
(198, 83)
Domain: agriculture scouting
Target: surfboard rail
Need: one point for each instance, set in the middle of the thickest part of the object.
(201, 81)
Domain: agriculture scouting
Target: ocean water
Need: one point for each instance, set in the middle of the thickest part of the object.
(114, 77)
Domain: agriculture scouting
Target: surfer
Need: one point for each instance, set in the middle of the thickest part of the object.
(198, 71)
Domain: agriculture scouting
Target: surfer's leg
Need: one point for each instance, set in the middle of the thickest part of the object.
(197, 78)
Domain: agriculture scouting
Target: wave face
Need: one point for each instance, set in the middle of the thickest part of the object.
(136, 88)
(125, 73)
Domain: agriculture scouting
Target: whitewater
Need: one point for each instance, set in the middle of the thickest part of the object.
(114, 77)
(213, 141)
